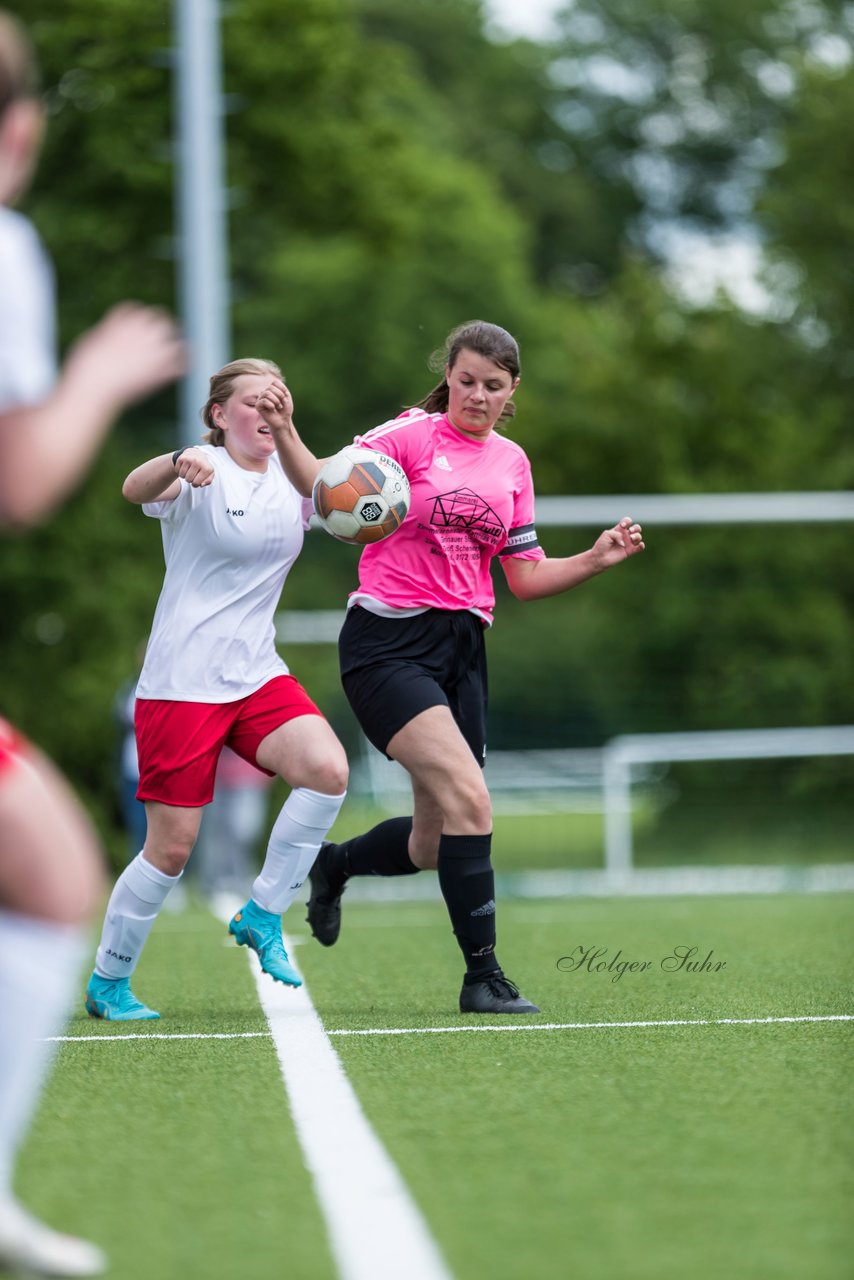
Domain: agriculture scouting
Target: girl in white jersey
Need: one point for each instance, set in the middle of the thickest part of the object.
(412, 648)
(232, 526)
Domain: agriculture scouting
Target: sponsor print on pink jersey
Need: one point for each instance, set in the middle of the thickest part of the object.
(472, 499)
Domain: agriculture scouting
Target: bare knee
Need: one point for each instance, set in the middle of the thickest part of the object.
(66, 889)
(171, 834)
(70, 895)
(89, 891)
(424, 850)
(169, 855)
(51, 865)
(468, 808)
(331, 777)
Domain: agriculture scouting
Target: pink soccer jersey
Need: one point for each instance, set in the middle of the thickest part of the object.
(471, 500)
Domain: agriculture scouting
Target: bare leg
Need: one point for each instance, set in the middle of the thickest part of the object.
(50, 860)
(448, 781)
(444, 771)
(307, 754)
(51, 880)
(450, 800)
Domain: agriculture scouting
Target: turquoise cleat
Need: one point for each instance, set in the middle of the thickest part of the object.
(262, 931)
(113, 1000)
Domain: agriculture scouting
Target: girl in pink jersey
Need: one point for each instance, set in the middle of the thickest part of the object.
(232, 527)
(412, 650)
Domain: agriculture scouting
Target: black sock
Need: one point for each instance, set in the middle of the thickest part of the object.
(468, 887)
(382, 851)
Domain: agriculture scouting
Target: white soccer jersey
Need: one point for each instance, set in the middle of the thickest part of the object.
(27, 315)
(228, 547)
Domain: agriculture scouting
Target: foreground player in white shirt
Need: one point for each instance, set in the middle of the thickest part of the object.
(51, 426)
(232, 526)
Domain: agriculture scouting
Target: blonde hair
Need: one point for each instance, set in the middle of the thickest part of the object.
(222, 388)
(18, 69)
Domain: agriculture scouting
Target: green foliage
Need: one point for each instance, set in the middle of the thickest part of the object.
(356, 249)
(102, 199)
(79, 595)
(393, 171)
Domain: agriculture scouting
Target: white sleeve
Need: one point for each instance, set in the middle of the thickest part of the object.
(173, 508)
(27, 315)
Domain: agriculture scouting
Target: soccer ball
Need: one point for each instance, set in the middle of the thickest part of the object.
(361, 496)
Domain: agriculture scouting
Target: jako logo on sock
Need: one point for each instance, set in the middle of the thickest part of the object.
(488, 909)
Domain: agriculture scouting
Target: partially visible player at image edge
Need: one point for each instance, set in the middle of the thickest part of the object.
(51, 426)
(413, 660)
(232, 527)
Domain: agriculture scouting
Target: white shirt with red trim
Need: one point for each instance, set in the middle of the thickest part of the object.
(472, 500)
(229, 548)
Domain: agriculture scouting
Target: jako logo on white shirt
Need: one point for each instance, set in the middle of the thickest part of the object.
(442, 462)
(229, 512)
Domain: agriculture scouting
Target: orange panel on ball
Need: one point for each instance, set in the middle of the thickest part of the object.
(364, 482)
(322, 501)
(341, 497)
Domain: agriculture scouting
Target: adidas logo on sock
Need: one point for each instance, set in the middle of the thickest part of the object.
(488, 909)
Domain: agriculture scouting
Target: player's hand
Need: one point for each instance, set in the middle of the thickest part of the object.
(131, 352)
(617, 544)
(195, 467)
(275, 405)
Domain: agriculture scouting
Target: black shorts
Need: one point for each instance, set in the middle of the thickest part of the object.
(394, 668)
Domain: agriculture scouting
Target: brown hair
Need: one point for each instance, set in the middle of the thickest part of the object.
(18, 69)
(222, 388)
(488, 340)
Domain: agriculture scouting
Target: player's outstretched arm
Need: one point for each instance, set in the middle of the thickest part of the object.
(159, 479)
(534, 579)
(276, 407)
(46, 448)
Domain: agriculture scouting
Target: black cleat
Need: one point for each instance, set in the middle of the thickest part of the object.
(324, 903)
(494, 994)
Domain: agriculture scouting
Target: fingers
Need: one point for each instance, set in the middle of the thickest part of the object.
(631, 533)
(275, 399)
(133, 350)
(194, 467)
(151, 330)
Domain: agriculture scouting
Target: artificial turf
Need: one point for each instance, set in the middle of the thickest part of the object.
(709, 1150)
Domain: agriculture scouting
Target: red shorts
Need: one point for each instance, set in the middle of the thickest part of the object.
(13, 746)
(179, 743)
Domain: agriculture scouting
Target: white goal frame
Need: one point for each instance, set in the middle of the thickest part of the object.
(624, 756)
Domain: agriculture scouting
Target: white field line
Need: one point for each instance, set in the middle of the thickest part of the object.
(372, 1220)
(433, 1031)
(164, 1035)
(594, 1026)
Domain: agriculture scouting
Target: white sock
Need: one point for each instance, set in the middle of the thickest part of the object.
(305, 818)
(137, 897)
(39, 972)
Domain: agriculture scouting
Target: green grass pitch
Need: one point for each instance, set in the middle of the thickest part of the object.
(633, 1153)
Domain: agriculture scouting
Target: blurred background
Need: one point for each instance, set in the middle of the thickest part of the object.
(655, 199)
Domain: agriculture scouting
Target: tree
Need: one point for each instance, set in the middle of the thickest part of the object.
(393, 171)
